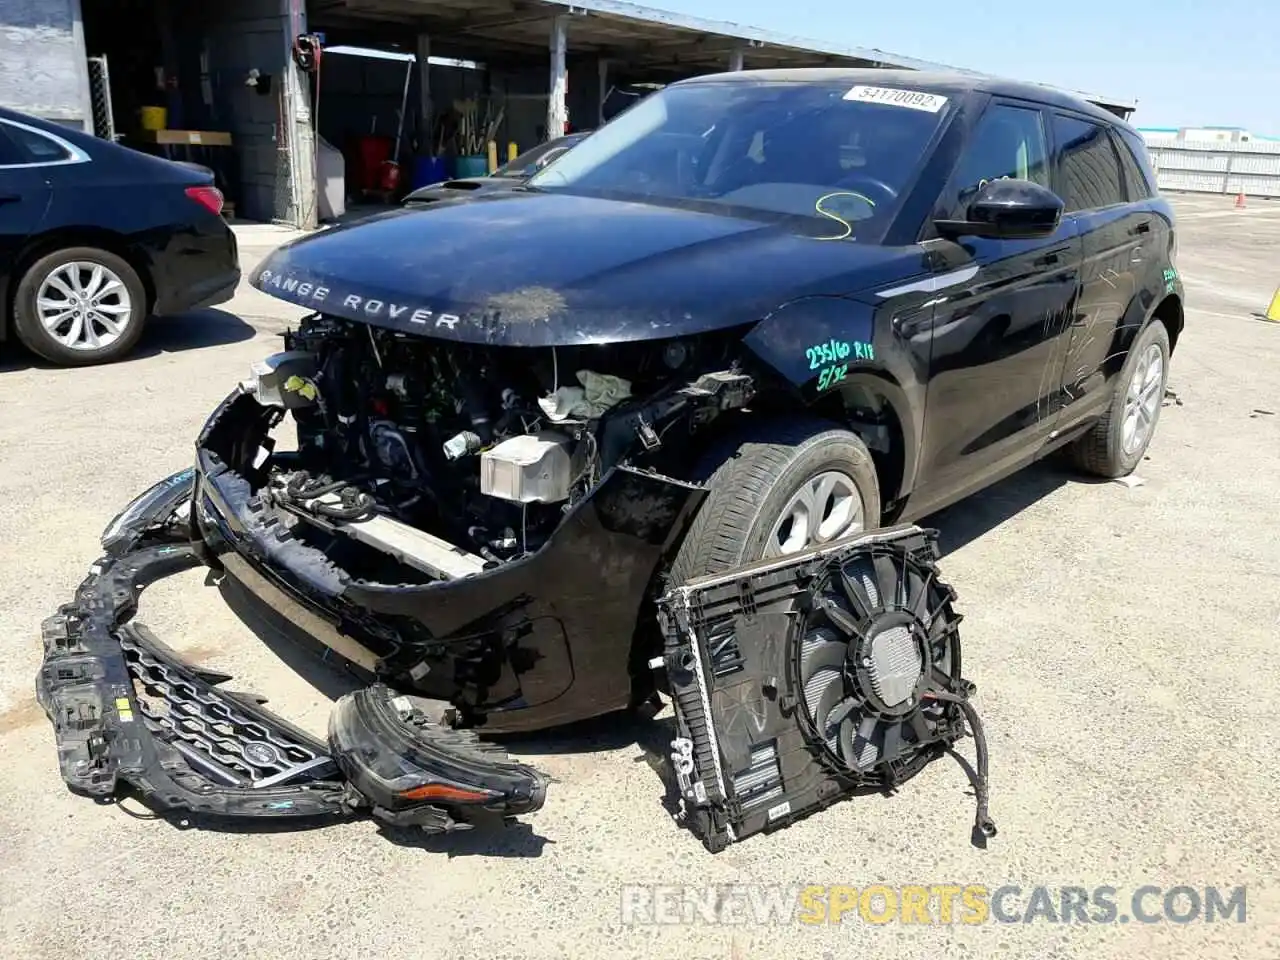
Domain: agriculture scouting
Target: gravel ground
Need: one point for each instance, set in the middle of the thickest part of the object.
(1123, 640)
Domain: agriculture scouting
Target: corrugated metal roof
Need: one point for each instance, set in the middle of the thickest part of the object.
(771, 38)
(662, 43)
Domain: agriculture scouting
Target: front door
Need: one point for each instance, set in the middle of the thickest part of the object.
(998, 330)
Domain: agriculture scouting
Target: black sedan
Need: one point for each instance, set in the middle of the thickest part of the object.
(512, 173)
(95, 237)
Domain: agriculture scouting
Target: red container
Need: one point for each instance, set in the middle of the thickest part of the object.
(389, 176)
(371, 153)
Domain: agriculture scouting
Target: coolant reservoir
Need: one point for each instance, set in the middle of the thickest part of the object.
(529, 468)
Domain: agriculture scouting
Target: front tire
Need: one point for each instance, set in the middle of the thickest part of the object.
(777, 488)
(1116, 444)
(80, 306)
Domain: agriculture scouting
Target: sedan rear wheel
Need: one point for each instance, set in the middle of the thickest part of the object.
(80, 306)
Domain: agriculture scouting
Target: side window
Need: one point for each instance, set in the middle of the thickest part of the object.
(1089, 167)
(35, 147)
(1136, 161)
(1007, 142)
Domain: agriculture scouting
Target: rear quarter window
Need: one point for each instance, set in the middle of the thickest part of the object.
(31, 146)
(1136, 160)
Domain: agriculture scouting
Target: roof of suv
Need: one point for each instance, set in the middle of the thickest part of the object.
(928, 81)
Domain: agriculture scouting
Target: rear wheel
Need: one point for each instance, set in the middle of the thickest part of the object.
(80, 306)
(778, 488)
(1116, 444)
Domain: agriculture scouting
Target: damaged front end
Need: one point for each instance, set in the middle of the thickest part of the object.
(464, 521)
(471, 536)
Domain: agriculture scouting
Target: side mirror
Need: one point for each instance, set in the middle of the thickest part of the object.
(1008, 210)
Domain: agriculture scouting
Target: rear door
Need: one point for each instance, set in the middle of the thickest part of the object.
(24, 197)
(998, 324)
(1117, 229)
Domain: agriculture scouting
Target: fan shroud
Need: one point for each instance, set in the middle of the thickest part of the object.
(878, 633)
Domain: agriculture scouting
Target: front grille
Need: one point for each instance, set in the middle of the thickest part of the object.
(214, 736)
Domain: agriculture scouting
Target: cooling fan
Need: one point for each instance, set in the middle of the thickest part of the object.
(798, 681)
(880, 632)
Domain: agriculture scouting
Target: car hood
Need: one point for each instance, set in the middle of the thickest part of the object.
(525, 268)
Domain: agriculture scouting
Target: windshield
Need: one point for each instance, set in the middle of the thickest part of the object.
(535, 158)
(846, 154)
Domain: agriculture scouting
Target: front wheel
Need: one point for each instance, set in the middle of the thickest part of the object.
(80, 306)
(777, 488)
(1116, 444)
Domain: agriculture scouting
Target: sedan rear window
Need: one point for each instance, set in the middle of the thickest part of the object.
(804, 150)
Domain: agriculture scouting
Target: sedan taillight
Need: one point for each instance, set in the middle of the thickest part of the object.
(208, 197)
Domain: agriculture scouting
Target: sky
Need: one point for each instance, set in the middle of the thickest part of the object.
(1186, 62)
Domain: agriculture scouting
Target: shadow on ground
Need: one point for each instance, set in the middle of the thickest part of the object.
(978, 514)
(194, 330)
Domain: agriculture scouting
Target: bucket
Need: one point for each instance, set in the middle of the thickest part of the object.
(472, 167)
(429, 170)
(153, 118)
(371, 152)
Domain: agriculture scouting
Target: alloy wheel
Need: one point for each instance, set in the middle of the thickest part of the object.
(1142, 399)
(826, 507)
(84, 306)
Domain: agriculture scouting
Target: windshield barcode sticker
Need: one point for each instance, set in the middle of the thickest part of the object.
(913, 99)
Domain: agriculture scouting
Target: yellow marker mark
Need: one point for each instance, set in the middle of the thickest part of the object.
(848, 227)
(304, 388)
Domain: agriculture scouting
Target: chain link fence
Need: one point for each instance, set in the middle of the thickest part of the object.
(104, 121)
(283, 207)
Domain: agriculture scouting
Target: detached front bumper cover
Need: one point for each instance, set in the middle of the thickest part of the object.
(127, 710)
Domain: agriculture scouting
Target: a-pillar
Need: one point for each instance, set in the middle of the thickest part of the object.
(735, 59)
(557, 105)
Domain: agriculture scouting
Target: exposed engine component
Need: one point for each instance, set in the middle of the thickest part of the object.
(529, 468)
(392, 450)
(799, 680)
(486, 448)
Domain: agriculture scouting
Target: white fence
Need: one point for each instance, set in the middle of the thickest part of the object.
(1251, 168)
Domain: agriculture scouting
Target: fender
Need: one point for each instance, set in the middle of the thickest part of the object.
(1141, 312)
(832, 347)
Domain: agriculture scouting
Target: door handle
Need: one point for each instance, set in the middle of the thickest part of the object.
(1048, 260)
(9, 198)
(1144, 227)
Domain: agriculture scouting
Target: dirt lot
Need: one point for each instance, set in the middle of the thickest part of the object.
(1123, 640)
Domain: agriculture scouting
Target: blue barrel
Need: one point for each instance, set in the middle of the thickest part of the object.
(429, 170)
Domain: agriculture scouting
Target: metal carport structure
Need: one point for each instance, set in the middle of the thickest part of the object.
(658, 44)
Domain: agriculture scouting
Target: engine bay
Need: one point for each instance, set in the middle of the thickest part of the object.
(475, 447)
